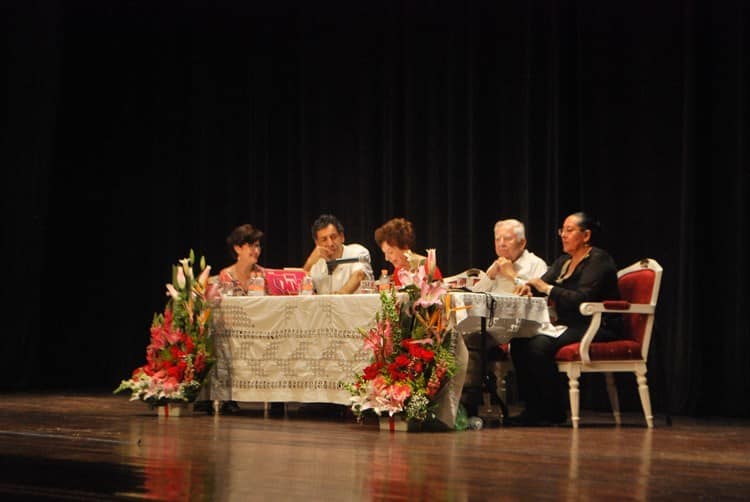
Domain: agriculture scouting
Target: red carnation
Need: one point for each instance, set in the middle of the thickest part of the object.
(372, 370)
(402, 360)
(427, 355)
(174, 372)
(395, 372)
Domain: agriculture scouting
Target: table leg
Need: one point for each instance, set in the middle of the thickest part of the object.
(487, 411)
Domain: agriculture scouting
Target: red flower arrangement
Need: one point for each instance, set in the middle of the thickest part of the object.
(179, 354)
(412, 352)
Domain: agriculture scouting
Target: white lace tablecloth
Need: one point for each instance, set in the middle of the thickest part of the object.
(289, 348)
(508, 316)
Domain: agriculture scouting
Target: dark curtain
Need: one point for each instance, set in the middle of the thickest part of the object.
(133, 131)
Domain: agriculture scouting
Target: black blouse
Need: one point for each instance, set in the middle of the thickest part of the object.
(593, 280)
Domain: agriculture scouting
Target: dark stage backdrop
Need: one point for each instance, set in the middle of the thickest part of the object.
(133, 131)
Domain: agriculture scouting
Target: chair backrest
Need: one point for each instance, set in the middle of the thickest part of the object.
(639, 283)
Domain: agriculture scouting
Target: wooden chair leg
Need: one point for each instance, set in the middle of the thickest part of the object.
(614, 401)
(645, 399)
(574, 374)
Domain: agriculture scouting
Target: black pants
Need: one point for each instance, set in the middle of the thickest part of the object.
(536, 371)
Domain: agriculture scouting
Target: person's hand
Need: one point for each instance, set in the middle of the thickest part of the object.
(317, 253)
(501, 266)
(505, 267)
(539, 285)
(324, 253)
(522, 290)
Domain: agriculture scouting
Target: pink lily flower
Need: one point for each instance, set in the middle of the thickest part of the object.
(405, 277)
(432, 293)
(431, 262)
(203, 278)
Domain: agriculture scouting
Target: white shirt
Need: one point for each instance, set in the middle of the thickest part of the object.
(325, 284)
(527, 266)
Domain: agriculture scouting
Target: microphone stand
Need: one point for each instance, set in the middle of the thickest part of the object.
(332, 264)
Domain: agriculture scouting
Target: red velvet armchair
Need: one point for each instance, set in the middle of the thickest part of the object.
(639, 288)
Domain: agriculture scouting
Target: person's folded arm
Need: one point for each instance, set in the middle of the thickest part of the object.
(315, 256)
(353, 283)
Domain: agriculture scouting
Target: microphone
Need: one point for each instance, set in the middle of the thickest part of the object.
(332, 264)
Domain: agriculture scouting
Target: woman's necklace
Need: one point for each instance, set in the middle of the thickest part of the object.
(576, 260)
(570, 265)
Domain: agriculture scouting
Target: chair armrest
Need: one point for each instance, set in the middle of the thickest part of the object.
(596, 309)
(616, 307)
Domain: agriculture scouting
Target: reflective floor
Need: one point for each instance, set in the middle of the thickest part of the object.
(104, 447)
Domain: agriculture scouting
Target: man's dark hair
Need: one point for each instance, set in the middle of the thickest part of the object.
(323, 221)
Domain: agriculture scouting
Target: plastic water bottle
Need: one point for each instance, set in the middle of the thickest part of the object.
(306, 286)
(476, 423)
(257, 286)
(384, 283)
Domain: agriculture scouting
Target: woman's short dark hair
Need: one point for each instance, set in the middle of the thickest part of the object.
(244, 234)
(397, 232)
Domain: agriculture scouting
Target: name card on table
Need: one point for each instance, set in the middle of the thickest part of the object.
(284, 282)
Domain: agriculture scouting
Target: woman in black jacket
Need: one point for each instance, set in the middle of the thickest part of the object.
(583, 273)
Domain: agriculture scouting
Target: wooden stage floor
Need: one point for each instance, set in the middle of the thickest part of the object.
(70, 446)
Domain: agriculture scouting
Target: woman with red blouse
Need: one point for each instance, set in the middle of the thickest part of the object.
(396, 238)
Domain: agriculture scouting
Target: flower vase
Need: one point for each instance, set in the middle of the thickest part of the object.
(175, 409)
(395, 423)
(398, 423)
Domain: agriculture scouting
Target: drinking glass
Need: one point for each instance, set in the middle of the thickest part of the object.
(306, 286)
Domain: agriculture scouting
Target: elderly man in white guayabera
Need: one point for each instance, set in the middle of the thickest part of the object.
(513, 267)
(514, 264)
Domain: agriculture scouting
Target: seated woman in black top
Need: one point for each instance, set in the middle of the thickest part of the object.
(582, 274)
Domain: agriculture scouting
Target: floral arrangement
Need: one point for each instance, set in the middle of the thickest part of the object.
(180, 353)
(412, 352)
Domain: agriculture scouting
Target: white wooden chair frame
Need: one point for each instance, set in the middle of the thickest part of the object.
(637, 366)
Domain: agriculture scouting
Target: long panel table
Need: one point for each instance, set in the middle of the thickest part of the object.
(303, 348)
(289, 348)
(505, 316)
